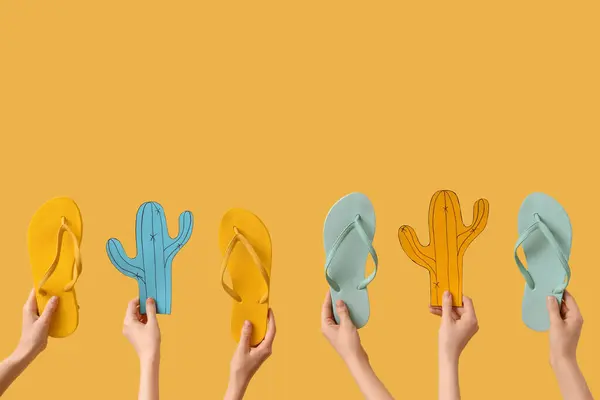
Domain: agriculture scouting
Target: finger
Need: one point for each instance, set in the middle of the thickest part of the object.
(468, 308)
(571, 303)
(151, 311)
(327, 311)
(343, 313)
(438, 312)
(553, 310)
(49, 311)
(456, 312)
(447, 306)
(271, 328)
(30, 307)
(137, 316)
(244, 344)
(267, 342)
(132, 310)
(435, 311)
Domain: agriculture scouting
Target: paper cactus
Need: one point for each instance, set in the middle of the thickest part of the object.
(449, 238)
(151, 266)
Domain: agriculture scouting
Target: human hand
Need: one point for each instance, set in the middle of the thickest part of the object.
(34, 338)
(247, 360)
(565, 328)
(143, 331)
(343, 337)
(34, 332)
(459, 325)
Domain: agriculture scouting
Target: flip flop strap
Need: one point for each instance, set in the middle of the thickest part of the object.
(237, 238)
(77, 265)
(538, 224)
(358, 226)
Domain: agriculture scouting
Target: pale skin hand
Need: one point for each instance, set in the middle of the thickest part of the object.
(565, 329)
(247, 360)
(458, 326)
(344, 338)
(143, 333)
(34, 338)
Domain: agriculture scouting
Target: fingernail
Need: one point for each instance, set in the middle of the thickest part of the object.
(447, 295)
(550, 298)
(150, 301)
(246, 324)
(53, 299)
(339, 304)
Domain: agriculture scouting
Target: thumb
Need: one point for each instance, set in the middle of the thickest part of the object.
(553, 310)
(244, 344)
(447, 306)
(151, 310)
(49, 311)
(342, 311)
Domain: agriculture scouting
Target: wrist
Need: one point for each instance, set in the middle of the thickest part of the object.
(359, 357)
(18, 360)
(448, 358)
(238, 379)
(237, 386)
(358, 361)
(563, 361)
(22, 355)
(150, 359)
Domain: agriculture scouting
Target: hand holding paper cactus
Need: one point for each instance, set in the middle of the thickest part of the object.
(449, 238)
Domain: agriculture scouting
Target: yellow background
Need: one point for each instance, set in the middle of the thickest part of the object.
(282, 108)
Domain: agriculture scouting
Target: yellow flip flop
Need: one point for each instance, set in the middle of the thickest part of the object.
(246, 247)
(54, 240)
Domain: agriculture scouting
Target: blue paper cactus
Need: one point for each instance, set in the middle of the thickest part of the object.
(155, 252)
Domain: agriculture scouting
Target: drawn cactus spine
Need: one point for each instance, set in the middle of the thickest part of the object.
(155, 251)
(449, 238)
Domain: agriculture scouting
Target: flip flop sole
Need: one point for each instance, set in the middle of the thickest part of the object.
(42, 241)
(246, 278)
(542, 262)
(348, 266)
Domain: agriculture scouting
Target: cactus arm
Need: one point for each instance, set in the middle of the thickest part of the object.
(186, 225)
(481, 211)
(419, 254)
(127, 266)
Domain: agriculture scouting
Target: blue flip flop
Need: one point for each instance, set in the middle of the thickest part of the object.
(348, 237)
(545, 234)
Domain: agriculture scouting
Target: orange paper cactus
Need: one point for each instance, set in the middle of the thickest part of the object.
(449, 238)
